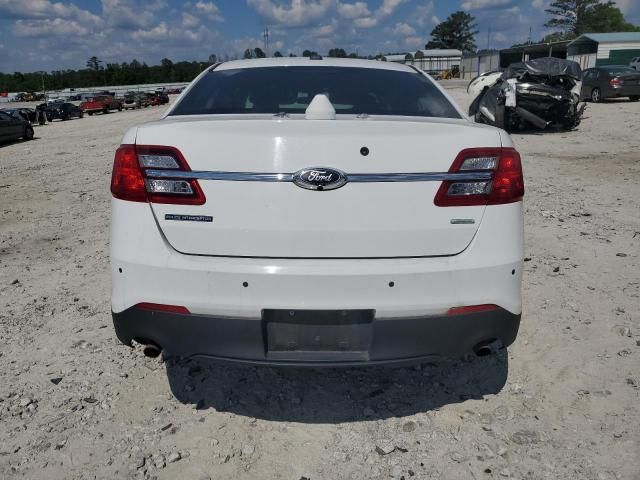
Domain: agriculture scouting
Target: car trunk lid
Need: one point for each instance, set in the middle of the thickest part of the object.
(280, 219)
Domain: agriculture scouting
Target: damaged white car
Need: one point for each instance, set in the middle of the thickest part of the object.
(539, 93)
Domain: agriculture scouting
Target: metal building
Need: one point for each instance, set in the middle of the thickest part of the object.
(596, 49)
(435, 60)
(482, 62)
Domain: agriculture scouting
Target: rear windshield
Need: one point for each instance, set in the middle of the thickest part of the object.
(290, 89)
(620, 69)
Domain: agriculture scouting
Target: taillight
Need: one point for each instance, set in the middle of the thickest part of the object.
(127, 180)
(160, 307)
(472, 309)
(504, 185)
(615, 82)
(132, 178)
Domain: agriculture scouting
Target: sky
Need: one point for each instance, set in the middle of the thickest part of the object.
(55, 35)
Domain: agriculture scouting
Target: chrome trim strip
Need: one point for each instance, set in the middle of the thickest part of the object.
(351, 178)
(417, 177)
(228, 176)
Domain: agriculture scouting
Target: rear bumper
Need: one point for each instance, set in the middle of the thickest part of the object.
(386, 340)
(625, 91)
(146, 269)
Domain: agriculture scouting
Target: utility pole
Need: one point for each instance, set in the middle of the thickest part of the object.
(42, 79)
(488, 37)
(265, 36)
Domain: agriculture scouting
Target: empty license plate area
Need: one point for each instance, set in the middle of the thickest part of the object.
(316, 334)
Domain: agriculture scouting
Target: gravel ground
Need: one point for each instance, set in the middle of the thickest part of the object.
(561, 404)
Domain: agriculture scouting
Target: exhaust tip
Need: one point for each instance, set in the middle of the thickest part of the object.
(483, 351)
(487, 348)
(151, 350)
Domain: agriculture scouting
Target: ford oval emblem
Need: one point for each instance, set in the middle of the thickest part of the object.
(320, 178)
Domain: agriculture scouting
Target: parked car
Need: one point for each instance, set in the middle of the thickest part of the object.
(63, 111)
(144, 100)
(29, 97)
(635, 63)
(158, 98)
(30, 114)
(611, 81)
(164, 98)
(13, 128)
(131, 101)
(154, 101)
(285, 211)
(101, 103)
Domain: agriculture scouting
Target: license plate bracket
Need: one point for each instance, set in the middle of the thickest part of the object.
(330, 335)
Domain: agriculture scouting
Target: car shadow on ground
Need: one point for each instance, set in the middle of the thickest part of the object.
(334, 395)
(17, 141)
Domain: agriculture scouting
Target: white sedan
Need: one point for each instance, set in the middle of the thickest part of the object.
(309, 211)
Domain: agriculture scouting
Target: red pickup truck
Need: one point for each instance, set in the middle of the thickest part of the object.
(101, 103)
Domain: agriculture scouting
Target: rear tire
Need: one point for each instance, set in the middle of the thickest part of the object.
(105, 110)
(596, 95)
(90, 113)
(28, 133)
(634, 98)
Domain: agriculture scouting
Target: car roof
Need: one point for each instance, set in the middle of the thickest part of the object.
(308, 62)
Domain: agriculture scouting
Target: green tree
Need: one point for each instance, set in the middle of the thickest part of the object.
(94, 64)
(248, 53)
(259, 53)
(569, 16)
(337, 53)
(606, 17)
(457, 31)
(309, 53)
(575, 17)
(277, 54)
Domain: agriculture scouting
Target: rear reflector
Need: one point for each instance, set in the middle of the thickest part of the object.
(130, 180)
(505, 186)
(159, 307)
(615, 82)
(472, 309)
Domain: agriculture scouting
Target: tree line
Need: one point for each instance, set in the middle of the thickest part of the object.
(97, 74)
(571, 18)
